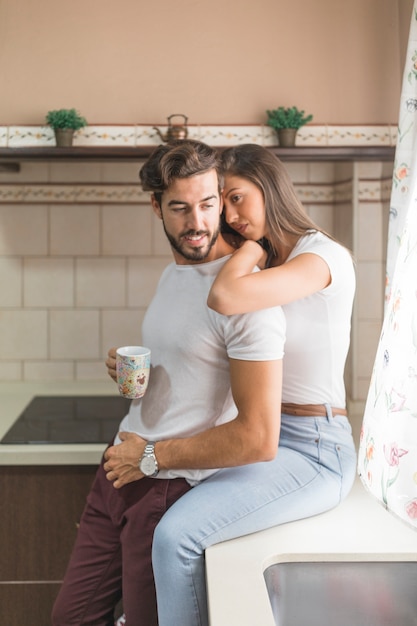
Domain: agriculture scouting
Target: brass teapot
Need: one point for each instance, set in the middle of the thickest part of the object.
(175, 131)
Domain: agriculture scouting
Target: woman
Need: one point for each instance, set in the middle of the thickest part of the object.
(309, 274)
(314, 468)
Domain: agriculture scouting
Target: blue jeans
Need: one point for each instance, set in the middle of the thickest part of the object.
(313, 471)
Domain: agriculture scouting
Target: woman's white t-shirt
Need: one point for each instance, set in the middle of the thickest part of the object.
(318, 329)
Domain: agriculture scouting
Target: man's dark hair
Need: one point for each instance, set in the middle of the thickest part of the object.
(179, 159)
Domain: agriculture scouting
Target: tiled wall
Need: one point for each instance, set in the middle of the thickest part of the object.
(75, 278)
(370, 229)
(81, 253)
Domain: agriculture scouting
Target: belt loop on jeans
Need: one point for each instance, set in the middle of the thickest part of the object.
(311, 410)
(329, 412)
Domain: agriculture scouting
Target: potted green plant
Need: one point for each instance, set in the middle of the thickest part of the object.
(64, 122)
(286, 121)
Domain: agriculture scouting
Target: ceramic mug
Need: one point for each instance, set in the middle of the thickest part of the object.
(132, 367)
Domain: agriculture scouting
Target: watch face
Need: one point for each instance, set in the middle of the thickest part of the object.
(148, 465)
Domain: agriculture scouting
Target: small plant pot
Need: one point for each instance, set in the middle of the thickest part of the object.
(286, 137)
(64, 137)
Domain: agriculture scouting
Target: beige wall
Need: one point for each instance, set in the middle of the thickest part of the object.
(223, 61)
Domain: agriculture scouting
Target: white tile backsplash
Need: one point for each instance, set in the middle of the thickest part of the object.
(48, 282)
(11, 370)
(11, 281)
(29, 172)
(298, 171)
(74, 230)
(160, 245)
(74, 172)
(48, 370)
(322, 215)
(120, 172)
(126, 230)
(370, 289)
(121, 328)
(371, 169)
(371, 247)
(100, 282)
(74, 334)
(368, 337)
(23, 229)
(321, 173)
(81, 250)
(142, 279)
(91, 370)
(23, 334)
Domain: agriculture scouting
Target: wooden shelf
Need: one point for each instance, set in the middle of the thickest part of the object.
(361, 153)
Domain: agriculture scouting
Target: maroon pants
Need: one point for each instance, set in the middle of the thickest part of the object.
(112, 553)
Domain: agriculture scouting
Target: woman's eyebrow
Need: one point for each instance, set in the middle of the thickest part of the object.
(231, 191)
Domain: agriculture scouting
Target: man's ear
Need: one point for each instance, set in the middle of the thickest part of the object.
(155, 206)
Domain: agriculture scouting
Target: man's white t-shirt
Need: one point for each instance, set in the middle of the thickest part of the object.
(189, 383)
(318, 329)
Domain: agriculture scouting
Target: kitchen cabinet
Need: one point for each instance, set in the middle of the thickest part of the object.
(39, 510)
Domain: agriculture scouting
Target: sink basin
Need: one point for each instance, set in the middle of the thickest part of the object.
(343, 593)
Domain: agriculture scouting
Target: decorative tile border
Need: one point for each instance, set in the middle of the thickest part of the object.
(394, 134)
(106, 136)
(147, 135)
(369, 191)
(3, 136)
(359, 135)
(132, 194)
(217, 135)
(374, 190)
(315, 194)
(72, 194)
(343, 192)
(312, 136)
(30, 136)
(231, 135)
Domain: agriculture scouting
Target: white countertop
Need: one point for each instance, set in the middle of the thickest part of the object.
(14, 397)
(359, 529)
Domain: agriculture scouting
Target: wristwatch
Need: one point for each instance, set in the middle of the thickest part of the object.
(148, 464)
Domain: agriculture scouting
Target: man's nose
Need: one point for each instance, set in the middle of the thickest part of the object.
(195, 220)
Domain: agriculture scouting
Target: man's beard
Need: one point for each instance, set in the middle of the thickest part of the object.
(193, 254)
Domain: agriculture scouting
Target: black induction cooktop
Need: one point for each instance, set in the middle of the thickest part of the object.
(68, 419)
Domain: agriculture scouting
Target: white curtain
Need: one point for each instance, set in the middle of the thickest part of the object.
(387, 460)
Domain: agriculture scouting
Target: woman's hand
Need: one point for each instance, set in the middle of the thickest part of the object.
(263, 255)
(111, 364)
(122, 461)
(232, 290)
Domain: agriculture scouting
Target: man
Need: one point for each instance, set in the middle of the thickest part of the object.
(213, 400)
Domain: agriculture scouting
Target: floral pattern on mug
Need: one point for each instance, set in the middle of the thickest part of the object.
(133, 374)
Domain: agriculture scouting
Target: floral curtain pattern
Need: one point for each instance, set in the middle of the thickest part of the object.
(387, 459)
(405, 153)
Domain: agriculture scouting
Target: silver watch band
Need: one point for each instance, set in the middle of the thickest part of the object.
(150, 448)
